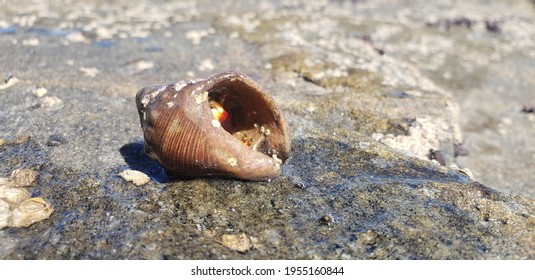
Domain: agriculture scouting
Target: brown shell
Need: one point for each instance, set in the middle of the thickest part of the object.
(181, 133)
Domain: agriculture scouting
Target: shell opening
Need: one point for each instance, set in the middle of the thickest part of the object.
(233, 110)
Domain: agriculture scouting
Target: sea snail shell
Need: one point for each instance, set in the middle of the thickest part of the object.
(226, 125)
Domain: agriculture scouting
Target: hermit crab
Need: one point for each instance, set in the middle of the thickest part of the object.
(226, 126)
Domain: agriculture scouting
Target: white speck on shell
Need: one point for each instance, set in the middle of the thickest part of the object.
(180, 85)
(201, 97)
(149, 97)
(216, 123)
(197, 89)
(193, 81)
(232, 161)
(276, 159)
(170, 104)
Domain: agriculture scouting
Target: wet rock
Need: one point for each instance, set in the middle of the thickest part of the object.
(76, 37)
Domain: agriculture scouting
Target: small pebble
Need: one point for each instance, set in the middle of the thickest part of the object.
(369, 237)
(89, 71)
(52, 102)
(297, 182)
(39, 92)
(326, 219)
(237, 242)
(56, 140)
(195, 36)
(23, 177)
(138, 178)
(206, 65)
(30, 42)
(76, 37)
(9, 83)
(144, 65)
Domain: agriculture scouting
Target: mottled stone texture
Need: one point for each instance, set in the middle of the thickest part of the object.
(371, 91)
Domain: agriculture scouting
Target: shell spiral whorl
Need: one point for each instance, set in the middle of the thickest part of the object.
(226, 125)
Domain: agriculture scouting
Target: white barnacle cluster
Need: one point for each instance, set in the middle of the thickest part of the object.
(146, 99)
(149, 97)
(197, 89)
(180, 85)
(17, 208)
(200, 98)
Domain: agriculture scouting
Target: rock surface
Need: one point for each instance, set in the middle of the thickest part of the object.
(370, 90)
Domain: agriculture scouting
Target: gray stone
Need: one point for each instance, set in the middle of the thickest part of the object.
(371, 91)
